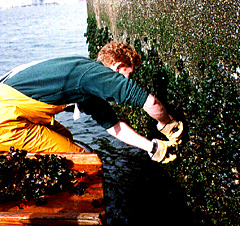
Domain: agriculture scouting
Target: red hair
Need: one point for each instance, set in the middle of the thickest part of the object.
(114, 52)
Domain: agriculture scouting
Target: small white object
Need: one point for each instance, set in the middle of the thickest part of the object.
(76, 114)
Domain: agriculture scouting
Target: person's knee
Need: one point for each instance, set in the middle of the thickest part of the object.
(59, 128)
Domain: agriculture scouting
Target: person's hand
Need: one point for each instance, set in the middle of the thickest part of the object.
(159, 151)
(172, 130)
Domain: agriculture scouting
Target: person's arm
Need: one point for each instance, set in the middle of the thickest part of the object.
(126, 134)
(156, 110)
(156, 148)
(166, 123)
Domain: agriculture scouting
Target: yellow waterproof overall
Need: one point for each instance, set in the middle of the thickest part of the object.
(28, 124)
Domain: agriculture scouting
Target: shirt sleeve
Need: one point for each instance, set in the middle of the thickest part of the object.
(105, 83)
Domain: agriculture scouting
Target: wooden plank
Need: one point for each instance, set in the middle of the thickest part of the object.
(83, 158)
(50, 219)
(64, 208)
(77, 158)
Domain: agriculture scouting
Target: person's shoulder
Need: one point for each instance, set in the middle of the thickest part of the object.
(71, 58)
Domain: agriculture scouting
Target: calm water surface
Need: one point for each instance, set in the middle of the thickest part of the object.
(137, 190)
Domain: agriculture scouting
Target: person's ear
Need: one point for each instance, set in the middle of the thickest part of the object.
(119, 66)
(116, 66)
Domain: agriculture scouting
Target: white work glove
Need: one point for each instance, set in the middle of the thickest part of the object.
(172, 130)
(159, 151)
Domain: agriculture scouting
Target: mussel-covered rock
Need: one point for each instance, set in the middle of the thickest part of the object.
(22, 178)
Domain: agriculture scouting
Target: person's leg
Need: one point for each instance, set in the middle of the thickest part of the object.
(31, 137)
(61, 129)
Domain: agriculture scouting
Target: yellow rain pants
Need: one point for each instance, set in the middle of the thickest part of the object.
(28, 124)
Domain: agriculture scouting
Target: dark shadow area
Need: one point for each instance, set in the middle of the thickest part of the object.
(139, 192)
(157, 199)
(161, 88)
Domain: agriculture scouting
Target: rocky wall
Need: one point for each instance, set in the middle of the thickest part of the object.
(199, 41)
(196, 32)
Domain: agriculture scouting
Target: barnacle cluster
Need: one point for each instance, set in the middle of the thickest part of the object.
(23, 178)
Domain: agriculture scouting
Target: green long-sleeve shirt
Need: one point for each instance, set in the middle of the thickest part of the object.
(77, 80)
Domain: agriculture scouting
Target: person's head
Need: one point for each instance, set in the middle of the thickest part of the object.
(120, 57)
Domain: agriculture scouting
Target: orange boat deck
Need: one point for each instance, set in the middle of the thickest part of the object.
(64, 208)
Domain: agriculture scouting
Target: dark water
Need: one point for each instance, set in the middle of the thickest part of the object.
(137, 190)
